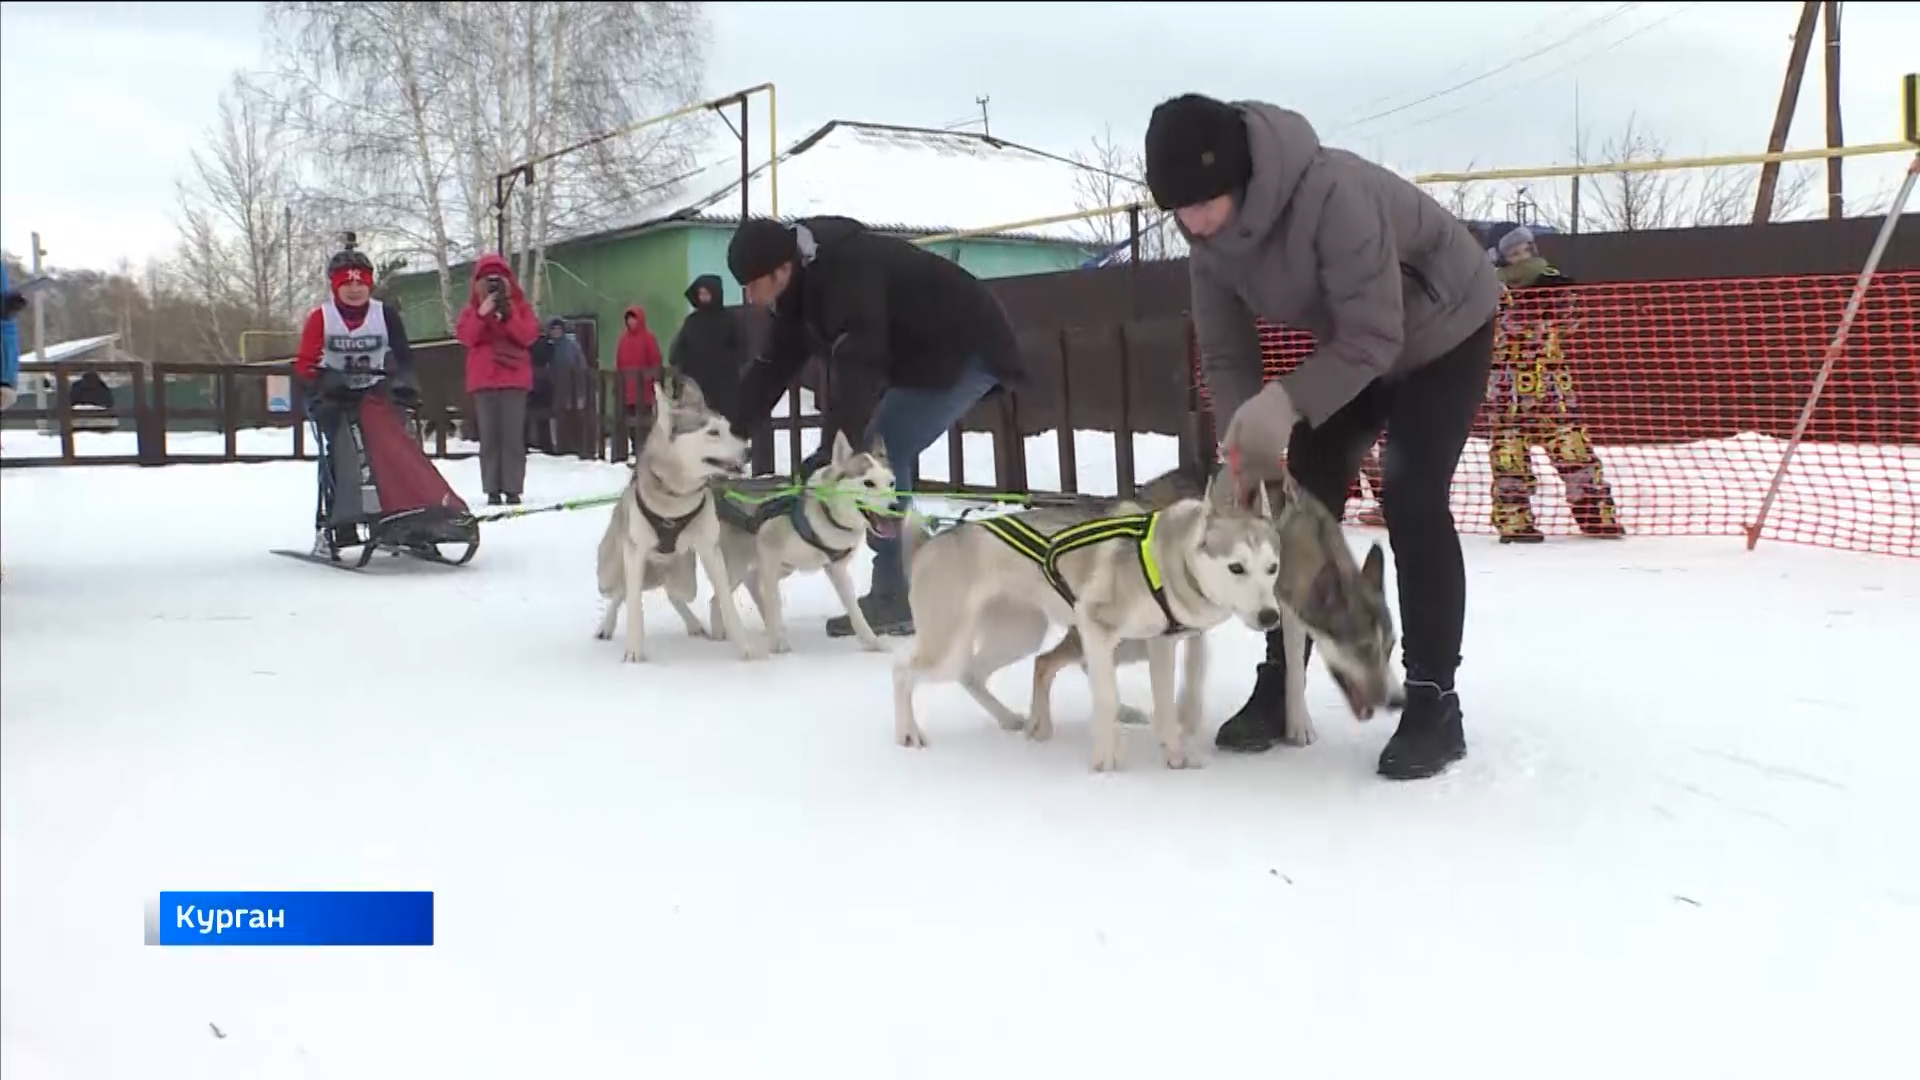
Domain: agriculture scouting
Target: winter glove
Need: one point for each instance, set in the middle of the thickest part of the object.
(12, 303)
(333, 386)
(1256, 438)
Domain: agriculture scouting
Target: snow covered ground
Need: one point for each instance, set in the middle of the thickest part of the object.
(1686, 842)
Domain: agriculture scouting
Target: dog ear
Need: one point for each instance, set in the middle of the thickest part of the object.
(1374, 570)
(877, 449)
(689, 395)
(1261, 504)
(842, 449)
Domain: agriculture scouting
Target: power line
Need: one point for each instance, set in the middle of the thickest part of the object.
(1609, 47)
(1534, 33)
(1584, 30)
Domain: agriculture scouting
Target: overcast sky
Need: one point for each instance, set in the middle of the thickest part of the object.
(100, 103)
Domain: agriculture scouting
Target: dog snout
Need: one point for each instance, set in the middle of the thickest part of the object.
(1268, 618)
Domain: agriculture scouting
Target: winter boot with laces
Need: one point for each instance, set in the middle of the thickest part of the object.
(1430, 736)
(886, 611)
(1262, 721)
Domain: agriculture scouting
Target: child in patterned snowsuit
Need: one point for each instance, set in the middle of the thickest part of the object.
(1534, 402)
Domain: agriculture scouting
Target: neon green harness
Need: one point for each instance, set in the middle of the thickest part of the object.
(1047, 550)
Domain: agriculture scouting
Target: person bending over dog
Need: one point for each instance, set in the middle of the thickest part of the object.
(350, 345)
(912, 341)
(1401, 300)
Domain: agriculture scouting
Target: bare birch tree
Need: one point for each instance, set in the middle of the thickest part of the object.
(1672, 199)
(411, 111)
(1114, 175)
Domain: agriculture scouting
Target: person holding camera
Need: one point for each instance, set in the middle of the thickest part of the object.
(498, 327)
(349, 346)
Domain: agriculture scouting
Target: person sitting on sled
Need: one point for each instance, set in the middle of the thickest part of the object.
(351, 345)
(1535, 401)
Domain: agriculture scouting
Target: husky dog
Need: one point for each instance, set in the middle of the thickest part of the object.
(665, 520)
(984, 594)
(1322, 595)
(817, 529)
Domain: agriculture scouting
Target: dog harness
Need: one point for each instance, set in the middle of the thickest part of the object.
(1047, 550)
(805, 531)
(666, 531)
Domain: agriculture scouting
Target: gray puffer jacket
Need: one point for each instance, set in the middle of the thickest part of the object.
(1325, 241)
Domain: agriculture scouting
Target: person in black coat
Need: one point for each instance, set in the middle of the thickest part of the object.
(911, 342)
(711, 345)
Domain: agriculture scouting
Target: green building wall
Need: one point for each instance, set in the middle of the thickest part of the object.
(601, 278)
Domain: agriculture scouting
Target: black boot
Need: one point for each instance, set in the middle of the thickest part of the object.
(886, 611)
(1262, 721)
(1430, 736)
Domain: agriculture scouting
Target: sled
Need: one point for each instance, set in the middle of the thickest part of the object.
(379, 492)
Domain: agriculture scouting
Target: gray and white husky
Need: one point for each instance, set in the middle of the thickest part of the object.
(666, 520)
(1322, 593)
(981, 602)
(818, 530)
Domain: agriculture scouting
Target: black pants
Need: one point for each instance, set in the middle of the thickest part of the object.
(1427, 416)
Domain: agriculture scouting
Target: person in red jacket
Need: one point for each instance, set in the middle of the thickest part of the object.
(349, 346)
(637, 361)
(498, 327)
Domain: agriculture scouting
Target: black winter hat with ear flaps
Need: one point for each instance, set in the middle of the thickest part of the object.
(759, 247)
(1197, 150)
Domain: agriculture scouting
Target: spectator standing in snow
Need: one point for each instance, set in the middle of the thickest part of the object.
(711, 345)
(636, 363)
(1400, 299)
(566, 372)
(498, 327)
(1535, 401)
(911, 339)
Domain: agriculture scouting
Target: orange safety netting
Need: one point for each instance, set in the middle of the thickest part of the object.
(1666, 407)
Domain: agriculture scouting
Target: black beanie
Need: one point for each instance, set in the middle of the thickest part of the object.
(1196, 150)
(759, 247)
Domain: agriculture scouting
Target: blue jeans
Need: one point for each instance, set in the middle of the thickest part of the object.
(907, 421)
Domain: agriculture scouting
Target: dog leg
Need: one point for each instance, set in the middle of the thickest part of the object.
(1193, 683)
(1298, 729)
(906, 674)
(682, 588)
(843, 588)
(765, 590)
(636, 570)
(1103, 676)
(609, 618)
(752, 646)
(1004, 635)
(1166, 723)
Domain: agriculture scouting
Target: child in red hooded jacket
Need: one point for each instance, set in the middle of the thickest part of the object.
(498, 327)
(636, 359)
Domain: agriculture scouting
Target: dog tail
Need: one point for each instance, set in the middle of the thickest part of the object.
(610, 571)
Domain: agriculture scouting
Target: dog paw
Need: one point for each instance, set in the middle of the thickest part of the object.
(1132, 717)
(634, 656)
(1106, 758)
(910, 737)
(872, 644)
(602, 635)
(780, 645)
(1301, 734)
(1040, 728)
(1177, 758)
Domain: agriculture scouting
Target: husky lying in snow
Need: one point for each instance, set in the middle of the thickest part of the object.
(819, 529)
(666, 519)
(984, 594)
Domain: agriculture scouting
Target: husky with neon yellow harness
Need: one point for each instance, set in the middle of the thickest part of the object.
(984, 594)
(817, 528)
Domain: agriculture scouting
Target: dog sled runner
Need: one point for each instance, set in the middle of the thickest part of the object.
(379, 492)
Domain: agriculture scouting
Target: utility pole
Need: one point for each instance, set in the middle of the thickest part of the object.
(1579, 157)
(986, 125)
(1783, 113)
(39, 301)
(1836, 203)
